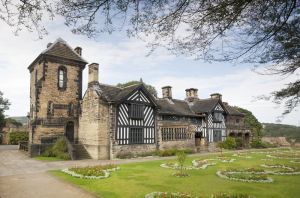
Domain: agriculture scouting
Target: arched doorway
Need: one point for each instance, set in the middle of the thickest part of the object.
(247, 139)
(198, 136)
(70, 131)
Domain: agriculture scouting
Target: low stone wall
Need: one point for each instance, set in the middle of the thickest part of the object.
(177, 144)
(37, 149)
(133, 149)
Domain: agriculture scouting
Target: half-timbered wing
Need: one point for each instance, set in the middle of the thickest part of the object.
(136, 118)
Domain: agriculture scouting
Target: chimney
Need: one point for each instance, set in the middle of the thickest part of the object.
(78, 50)
(49, 44)
(167, 92)
(216, 96)
(191, 94)
(93, 72)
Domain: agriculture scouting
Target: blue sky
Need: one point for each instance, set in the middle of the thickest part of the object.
(122, 59)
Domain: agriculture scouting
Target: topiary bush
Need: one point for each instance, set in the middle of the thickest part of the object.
(59, 150)
(258, 143)
(172, 152)
(16, 137)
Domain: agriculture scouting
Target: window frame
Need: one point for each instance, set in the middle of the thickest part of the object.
(62, 69)
(138, 133)
(134, 112)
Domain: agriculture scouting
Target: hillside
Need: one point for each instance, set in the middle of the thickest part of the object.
(22, 119)
(283, 130)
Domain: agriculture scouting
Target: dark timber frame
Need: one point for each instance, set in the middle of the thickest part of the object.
(137, 125)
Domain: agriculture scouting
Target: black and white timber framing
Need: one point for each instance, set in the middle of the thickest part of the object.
(216, 128)
(136, 120)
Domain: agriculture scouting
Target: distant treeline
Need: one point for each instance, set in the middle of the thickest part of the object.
(281, 130)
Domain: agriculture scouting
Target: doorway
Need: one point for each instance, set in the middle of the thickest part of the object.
(70, 131)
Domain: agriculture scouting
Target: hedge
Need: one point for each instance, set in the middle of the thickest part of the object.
(16, 137)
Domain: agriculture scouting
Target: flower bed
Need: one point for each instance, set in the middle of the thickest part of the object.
(288, 157)
(91, 172)
(283, 169)
(244, 176)
(241, 156)
(168, 195)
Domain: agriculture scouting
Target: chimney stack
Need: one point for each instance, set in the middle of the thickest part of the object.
(49, 44)
(167, 92)
(191, 94)
(78, 50)
(216, 96)
(93, 72)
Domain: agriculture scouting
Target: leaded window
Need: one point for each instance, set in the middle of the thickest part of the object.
(62, 78)
(136, 111)
(218, 117)
(136, 136)
(50, 110)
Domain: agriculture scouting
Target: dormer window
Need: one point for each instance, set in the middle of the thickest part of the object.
(62, 78)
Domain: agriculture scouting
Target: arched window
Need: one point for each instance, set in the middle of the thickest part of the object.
(62, 77)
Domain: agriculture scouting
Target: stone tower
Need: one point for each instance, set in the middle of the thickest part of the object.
(55, 94)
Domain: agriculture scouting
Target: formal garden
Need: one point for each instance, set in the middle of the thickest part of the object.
(254, 173)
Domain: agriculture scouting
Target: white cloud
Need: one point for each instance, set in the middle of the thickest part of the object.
(125, 59)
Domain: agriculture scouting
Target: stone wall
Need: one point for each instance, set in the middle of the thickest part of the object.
(94, 126)
(89, 123)
(43, 89)
(133, 149)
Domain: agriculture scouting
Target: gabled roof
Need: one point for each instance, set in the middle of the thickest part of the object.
(60, 49)
(115, 94)
(204, 105)
(174, 107)
(233, 110)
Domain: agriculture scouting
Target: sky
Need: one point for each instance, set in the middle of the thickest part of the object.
(123, 59)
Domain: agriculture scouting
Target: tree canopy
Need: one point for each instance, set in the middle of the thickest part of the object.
(4, 105)
(255, 31)
(150, 88)
(252, 122)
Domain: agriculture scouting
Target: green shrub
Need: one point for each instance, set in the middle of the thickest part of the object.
(258, 143)
(93, 170)
(16, 137)
(172, 152)
(59, 149)
(239, 142)
(181, 157)
(229, 143)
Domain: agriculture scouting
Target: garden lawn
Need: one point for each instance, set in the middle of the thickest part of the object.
(42, 158)
(138, 179)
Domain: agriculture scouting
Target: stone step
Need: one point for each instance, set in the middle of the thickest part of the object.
(81, 152)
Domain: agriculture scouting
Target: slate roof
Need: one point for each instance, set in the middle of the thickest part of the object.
(174, 107)
(204, 105)
(233, 110)
(61, 49)
(112, 93)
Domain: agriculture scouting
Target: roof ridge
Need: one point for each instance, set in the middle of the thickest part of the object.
(114, 86)
(60, 40)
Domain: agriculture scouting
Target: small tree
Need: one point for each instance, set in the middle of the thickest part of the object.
(181, 157)
(221, 146)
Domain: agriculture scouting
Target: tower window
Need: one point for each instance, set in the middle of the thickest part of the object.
(62, 78)
(50, 110)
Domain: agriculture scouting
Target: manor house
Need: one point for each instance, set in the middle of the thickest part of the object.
(108, 121)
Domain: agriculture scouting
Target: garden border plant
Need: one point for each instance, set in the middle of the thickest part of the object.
(100, 172)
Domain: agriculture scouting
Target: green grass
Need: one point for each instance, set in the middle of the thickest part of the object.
(48, 159)
(137, 179)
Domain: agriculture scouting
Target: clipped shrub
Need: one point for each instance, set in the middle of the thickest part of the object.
(125, 155)
(239, 142)
(59, 150)
(16, 137)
